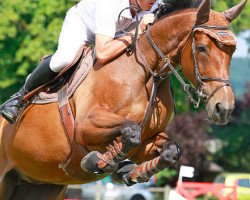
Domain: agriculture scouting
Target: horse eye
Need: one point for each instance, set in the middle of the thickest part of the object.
(201, 49)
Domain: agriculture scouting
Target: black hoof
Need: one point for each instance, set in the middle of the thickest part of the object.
(123, 172)
(170, 155)
(125, 167)
(90, 163)
(127, 179)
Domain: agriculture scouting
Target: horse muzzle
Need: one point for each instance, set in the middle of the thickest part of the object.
(220, 113)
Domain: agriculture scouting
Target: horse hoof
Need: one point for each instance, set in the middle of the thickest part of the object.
(127, 179)
(123, 172)
(90, 163)
(125, 167)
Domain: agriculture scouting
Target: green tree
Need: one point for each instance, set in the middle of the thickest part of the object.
(29, 30)
(235, 152)
(239, 24)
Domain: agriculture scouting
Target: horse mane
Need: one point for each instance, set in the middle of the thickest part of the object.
(167, 7)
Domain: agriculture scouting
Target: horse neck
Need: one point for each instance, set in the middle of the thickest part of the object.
(170, 35)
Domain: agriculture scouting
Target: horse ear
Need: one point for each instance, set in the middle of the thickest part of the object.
(203, 12)
(233, 12)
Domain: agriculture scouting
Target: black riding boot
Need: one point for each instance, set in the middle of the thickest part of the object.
(42, 74)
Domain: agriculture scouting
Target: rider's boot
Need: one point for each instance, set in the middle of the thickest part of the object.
(13, 107)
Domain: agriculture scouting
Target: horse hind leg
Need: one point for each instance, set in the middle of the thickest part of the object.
(29, 191)
(132, 174)
(107, 162)
(8, 184)
(13, 187)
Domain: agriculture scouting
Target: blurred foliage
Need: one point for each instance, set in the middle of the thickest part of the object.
(194, 135)
(181, 100)
(29, 30)
(165, 176)
(239, 71)
(234, 155)
(191, 130)
(239, 24)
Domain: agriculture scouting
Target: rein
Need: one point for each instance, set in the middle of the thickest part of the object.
(157, 77)
(131, 47)
(160, 76)
(198, 75)
(190, 91)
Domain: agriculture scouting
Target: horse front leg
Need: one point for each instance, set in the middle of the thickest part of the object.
(102, 127)
(168, 154)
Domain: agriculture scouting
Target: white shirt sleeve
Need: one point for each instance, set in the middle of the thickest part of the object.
(106, 17)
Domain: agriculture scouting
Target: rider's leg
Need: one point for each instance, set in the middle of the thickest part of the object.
(10, 110)
(70, 40)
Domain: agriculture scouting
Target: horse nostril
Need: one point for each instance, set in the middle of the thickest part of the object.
(218, 108)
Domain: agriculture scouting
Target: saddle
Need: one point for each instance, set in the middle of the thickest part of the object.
(70, 77)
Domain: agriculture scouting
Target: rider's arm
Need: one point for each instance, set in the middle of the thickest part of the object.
(108, 47)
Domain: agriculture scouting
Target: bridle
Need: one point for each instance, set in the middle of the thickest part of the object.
(191, 91)
(198, 75)
(159, 76)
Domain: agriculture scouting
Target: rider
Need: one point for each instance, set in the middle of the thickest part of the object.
(88, 22)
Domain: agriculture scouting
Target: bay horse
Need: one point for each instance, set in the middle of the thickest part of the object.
(115, 115)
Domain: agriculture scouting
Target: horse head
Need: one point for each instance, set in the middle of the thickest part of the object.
(206, 56)
(201, 41)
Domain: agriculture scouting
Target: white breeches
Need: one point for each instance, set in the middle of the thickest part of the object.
(72, 37)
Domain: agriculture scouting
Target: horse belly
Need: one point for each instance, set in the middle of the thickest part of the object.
(38, 144)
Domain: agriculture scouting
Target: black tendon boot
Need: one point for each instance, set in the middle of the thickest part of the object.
(13, 107)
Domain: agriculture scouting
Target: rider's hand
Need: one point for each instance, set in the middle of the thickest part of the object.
(146, 19)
